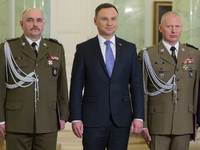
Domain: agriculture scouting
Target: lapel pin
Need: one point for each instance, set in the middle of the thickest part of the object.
(23, 43)
(120, 44)
(183, 49)
(162, 50)
(44, 44)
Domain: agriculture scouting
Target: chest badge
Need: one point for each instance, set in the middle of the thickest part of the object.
(161, 75)
(50, 62)
(185, 67)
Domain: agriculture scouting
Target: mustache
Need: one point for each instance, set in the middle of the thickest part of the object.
(35, 27)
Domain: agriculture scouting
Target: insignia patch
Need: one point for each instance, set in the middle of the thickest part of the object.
(191, 74)
(54, 71)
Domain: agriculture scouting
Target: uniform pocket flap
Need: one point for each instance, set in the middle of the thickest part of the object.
(13, 105)
(161, 67)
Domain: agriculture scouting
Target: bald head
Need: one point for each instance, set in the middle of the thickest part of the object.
(169, 13)
(170, 27)
(32, 23)
(32, 10)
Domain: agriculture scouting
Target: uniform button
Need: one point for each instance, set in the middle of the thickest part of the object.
(177, 99)
(177, 90)
(37, 65)
(37, 76)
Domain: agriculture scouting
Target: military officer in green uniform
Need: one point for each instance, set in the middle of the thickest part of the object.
(171, 78)
(33, 87)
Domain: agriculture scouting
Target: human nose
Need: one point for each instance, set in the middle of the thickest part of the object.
(109, 22)
(35, 23)
(173, 29)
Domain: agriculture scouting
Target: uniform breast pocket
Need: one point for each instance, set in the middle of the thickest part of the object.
(52, 69)
(190, 69)
(23, 65)
(161, 70)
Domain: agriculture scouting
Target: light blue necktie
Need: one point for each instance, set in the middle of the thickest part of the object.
(109, 58)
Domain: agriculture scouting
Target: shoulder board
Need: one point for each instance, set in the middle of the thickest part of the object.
(53, 40)
(12, 39)
(188, 45)
(148, 47)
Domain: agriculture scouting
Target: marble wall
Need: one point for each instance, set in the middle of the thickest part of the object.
(131, 21)
(189, 12)
(12, 14)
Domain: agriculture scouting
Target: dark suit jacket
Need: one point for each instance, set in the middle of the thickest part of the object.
(120, 96)
(17, 105)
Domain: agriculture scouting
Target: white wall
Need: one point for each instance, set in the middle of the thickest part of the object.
(71, 22)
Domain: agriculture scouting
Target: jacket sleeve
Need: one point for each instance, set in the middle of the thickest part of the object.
(62, 90)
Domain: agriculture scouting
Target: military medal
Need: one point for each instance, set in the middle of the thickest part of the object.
(50, 62)
(54, 71)
(185, 67)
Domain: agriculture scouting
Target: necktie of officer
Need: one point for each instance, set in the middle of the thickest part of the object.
(109, 58)
(173, 53)
(34, 48)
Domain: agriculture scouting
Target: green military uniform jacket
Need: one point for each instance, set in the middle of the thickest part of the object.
(17, 105)
(162, 118)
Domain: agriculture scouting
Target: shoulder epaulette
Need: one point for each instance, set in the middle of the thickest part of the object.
(53, 40)
(189, 45)
(11, 39)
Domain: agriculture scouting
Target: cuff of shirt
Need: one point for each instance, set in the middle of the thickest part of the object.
(2, 122)
(76, 121)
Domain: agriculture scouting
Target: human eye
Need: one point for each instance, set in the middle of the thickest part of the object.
(39, 20)
(103, 18)
(114, 18)
(29, 20)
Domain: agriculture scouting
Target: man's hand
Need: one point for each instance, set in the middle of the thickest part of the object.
(62, 125)
(77, 128)
(3, 130)
(136, 126)
(146, 136)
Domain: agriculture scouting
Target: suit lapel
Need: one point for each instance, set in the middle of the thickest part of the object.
(26, 48)
(165, 54)
(182, 55)
(119, 49)
(97, 50)
(43, 49)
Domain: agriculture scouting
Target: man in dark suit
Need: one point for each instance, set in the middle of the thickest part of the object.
(113, 99)
(36, 86)
(171, 79)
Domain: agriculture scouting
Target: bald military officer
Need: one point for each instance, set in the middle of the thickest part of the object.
(33, 85)
(171, 79)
